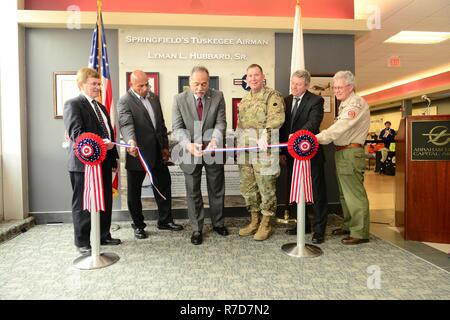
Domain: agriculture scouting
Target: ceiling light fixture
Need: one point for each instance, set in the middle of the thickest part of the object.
(418, 37)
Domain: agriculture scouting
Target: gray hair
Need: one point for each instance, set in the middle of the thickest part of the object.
(302, 74)
(199, 68)
(347, 76)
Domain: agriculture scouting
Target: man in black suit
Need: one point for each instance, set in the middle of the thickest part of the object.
(142, 124)
(84, 114)
(304, 111)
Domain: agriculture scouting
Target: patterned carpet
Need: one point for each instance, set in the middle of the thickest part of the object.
(38, 265)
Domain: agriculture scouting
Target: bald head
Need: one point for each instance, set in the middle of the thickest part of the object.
(139, 83)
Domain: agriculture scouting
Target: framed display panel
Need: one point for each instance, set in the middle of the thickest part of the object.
(153, 81)
(64, 88)
(322, 86)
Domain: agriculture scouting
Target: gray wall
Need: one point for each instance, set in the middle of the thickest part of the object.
(324, 55)
(53, 50)
(48, 51)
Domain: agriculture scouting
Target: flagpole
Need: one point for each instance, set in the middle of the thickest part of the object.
(96, 260)
(99, 45)
(299, 249)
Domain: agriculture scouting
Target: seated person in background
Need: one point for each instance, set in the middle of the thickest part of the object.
(387, 134)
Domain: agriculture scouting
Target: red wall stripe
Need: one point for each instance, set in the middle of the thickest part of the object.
(342, 9)
(407, 88)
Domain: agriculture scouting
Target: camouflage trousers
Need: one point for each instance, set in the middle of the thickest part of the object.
(258, 189)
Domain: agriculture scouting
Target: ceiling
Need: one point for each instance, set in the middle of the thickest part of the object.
(372, 54)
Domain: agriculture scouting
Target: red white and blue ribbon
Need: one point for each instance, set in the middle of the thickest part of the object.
(302, 146)
(144, 165)
(91, 150)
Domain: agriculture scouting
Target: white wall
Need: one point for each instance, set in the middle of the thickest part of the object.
(136, 56)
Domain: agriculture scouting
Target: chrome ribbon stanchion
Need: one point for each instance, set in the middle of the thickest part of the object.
(302, 145)
(91, 150)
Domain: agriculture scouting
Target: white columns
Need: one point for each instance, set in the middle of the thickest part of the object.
(14, 167)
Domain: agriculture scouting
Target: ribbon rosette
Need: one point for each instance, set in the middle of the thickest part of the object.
(302, 146)
(91, 150)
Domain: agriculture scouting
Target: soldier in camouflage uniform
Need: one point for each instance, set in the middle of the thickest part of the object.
(261, 114)
(349, 133)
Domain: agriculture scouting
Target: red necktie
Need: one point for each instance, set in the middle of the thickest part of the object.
(200, 108)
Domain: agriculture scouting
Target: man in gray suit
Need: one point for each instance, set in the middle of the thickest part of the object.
(198, 122)
(142, 125)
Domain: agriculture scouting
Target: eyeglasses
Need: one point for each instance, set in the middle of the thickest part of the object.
(94, 84)
(339, 88)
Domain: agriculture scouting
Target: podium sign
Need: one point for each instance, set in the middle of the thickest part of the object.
(430, 140)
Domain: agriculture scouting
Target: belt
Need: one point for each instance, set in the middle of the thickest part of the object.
(351, 145)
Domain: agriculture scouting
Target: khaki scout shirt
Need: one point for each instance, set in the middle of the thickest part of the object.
(258, 114)
(351, 125)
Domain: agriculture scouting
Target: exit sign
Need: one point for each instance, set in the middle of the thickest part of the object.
(394, 62)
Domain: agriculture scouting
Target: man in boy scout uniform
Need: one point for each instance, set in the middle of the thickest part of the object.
(348, 134)
(261, 114)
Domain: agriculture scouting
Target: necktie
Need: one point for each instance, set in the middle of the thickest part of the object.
(200, 108)
(294, 109)
(104, 134)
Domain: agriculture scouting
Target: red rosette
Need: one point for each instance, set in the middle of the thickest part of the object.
(303, 145)
(90, 149)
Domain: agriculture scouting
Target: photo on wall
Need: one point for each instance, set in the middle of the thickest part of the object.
(153, 81)
(323, 86)
(235, 105)
(64, 88)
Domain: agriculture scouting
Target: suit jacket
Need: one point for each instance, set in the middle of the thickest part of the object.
(135, 123)
(184, 115)
(79, 117)
(309, 116)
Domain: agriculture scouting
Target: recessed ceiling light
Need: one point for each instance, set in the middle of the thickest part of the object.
(418, 37)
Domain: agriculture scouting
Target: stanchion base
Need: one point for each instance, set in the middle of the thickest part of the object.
(95, 262)
(308, 251)
(286, 219)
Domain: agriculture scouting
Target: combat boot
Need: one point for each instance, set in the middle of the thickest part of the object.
(264, 230)
(252, 227)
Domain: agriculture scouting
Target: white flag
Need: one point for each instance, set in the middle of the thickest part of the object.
(297, 57)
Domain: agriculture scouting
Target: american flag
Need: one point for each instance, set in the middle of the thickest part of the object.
(98, 60)
(93, 174)
(301, 174)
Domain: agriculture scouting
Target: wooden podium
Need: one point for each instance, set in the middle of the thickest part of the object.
(422, 199)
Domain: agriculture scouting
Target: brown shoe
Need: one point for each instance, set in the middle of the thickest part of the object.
(350, 240)
(340, 232)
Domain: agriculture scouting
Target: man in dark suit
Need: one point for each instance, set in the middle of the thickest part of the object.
(198, 122)
(142, 125)
(304, 111)
(84, 114)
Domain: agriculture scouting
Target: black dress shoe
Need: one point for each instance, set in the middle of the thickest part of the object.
(317, 238)
(351, 240)
(85, 250)
(196, 238)
(293, 231)
(170, 226)
(221, 230)
(140, 233)
(340, 232)
(110, 242)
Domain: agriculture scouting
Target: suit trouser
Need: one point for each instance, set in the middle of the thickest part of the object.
(82, 218)
(320, 205)
(319, 188)
(350, 165)
(215, 181)
(162, 180)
